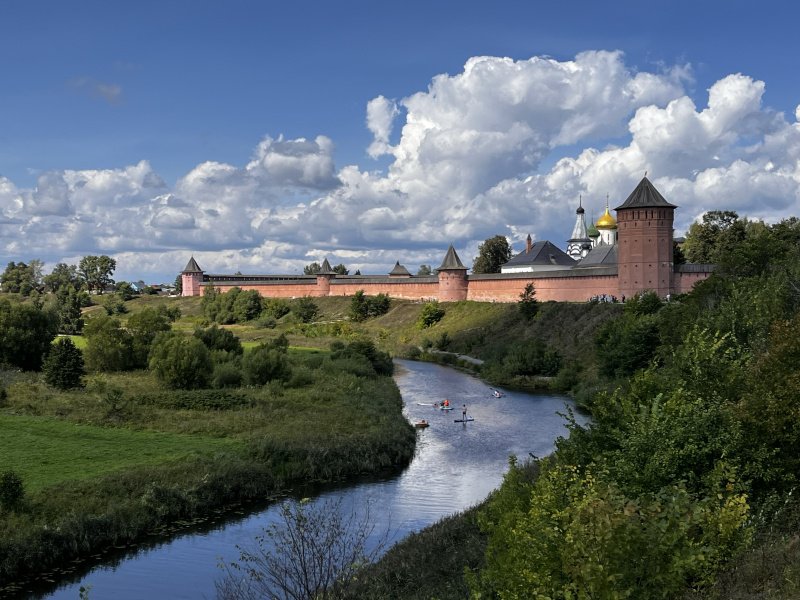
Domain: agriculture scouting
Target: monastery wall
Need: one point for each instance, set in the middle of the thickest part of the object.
(414, 289)
(271, 290)
(559, 289)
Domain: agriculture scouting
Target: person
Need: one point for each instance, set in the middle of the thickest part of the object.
(446, 402)
(464, 413)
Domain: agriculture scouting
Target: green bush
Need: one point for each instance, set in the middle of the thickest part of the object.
(219, 338)
(26, 333)
(226, 375)
(275, 308)
(180, 362)
(217, 399)
(431, 314)
(63, 367)
(109, 347)
(305, 309)
(363, 307)
(264, 364)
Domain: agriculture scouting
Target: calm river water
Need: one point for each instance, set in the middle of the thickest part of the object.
(455, 467)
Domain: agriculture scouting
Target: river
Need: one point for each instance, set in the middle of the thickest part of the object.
(455, 467)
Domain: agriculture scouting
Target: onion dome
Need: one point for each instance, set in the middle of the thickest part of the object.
(591, 230)
(606, 221)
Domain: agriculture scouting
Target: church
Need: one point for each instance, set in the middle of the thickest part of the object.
(613, 257)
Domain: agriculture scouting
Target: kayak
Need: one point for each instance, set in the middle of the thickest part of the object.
(421, 424)
(443, 407)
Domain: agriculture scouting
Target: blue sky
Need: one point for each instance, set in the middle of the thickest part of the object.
(262, 136)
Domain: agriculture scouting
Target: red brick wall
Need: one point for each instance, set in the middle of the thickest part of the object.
(283, 290)
(560, 289)
(395, 289)
(684, 282)
(453, 286)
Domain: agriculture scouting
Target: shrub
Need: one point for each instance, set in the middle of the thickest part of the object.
(264, 364)
(63, 367)
(109, 347)
(305, 309)
(226, 375)
(247, 306)
(363, 307)
(528, 305)
(431, 314)
(181, 363)
(12, 490)
(217, 338)
(275, 308)
(26, 333)
(381, 361)
(143, 327)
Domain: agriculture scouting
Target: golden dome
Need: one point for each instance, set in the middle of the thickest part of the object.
(606, 221)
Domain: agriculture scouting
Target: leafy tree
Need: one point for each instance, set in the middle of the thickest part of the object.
(247, 306)
(21, 278)
(532, 358)
(363, 307)
(528, 305)
(312, 268)
(264, 364)
(275, 307)
(68, 306)
(340, 269)
(62, 275)
(432, 312)
(63, 367)
(114, 304)
(708, 241)
(381, 361)
(492, 253)
(179, 284)
(109, 347)
(26, 333)
(144, 326)
(218, 338)
(305, 309)
(626, 344)
(181, 362)
(95, 272)
(125, 290)
(644, 303)
(424, 271)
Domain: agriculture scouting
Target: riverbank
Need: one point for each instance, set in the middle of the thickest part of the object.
(168, 461)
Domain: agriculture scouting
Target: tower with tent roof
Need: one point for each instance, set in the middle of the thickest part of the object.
(191, 279)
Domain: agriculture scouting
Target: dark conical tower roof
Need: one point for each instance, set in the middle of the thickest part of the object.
(399, 269)
(451, 261)
(192, 267)
(325, 269)
(645, 196)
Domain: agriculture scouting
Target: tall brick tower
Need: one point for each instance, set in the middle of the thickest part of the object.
(452, 278)
(191, 279)
(644, 242)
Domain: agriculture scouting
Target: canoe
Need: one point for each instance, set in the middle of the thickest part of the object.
(421, 424)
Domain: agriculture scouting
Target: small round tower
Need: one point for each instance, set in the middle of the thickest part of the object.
(324, 276)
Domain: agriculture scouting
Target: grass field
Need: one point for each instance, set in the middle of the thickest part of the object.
(46, 451)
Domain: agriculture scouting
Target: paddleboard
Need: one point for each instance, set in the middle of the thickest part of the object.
(462, 420)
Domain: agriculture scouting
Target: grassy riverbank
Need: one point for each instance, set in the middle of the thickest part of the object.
(123, 457)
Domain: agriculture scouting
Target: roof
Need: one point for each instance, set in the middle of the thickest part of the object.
(451, 261)
(604, 255)
(399, 270)
(192, 267)
(325, 269)
(645, 196)
(541, 253)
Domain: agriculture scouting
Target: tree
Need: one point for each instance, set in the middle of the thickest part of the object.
(181, 362)
(144, 326)
(431, 314)
(62, 275)
(528, 305)
(263, 364)
(363, 307)
(125, 290)
(312, 268)
(21, 278)
(12, 490)
(218, 338)
(424, 271)
(708, 241)
(305, 309)
(247, 306)
(63, 367)
(313, 551)
(68, 307)
(96, 271)
(492, 253)
(109, 347)
(340, 269)
(26, 333)
(179, 284)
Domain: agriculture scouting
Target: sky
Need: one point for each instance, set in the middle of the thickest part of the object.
(262, 136)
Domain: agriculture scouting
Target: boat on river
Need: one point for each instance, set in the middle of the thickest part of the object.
(421, 424)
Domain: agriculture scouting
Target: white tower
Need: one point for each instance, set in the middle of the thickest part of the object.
(579, 244)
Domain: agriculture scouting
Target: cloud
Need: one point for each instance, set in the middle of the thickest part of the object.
(503, 147)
